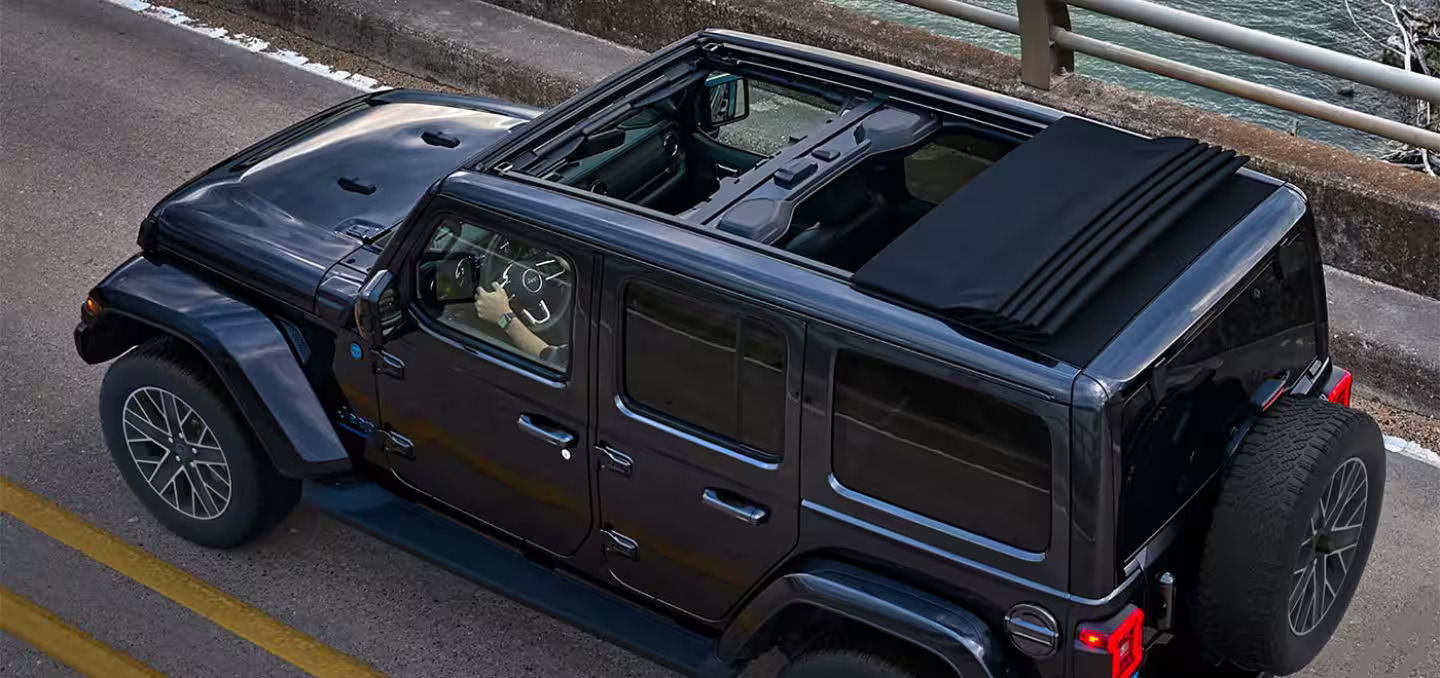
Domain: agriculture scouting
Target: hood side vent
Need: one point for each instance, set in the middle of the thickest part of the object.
(438, 138)
(356, 185)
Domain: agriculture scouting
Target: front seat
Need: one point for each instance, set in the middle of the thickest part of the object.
(841, 217)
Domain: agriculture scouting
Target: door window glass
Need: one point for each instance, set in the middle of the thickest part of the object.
(707, 365)
(505, 291)
(938, 169)
(951, 453)
(776, 113)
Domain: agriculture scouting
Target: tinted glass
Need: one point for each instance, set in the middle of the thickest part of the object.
(705, 365)
(504, 291)
(936, 170)
(776, 113)
(953, 454)
(1171, 447)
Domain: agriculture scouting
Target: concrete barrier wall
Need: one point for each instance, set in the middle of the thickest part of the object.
(476, 47)
(1376, 220)
(1379, 221)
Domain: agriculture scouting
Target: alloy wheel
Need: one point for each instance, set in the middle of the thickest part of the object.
(1327, 554)
(177, 453)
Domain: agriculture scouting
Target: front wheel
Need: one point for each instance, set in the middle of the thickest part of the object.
(184, 451)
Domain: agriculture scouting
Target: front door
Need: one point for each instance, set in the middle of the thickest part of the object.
(696, 439)
(484, 391)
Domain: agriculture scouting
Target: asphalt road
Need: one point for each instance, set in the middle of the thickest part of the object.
(102, 112)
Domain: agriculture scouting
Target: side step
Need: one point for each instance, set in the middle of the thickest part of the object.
(376, 510)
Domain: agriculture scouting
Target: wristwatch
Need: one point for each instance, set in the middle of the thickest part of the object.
(505, 319)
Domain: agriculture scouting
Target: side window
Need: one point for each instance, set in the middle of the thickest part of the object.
(504, 291)
(1173, 445)
(942, 450)
(776, 113)
(938, 169)
(706, 365)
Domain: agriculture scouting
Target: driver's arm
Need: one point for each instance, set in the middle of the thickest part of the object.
(494, 303)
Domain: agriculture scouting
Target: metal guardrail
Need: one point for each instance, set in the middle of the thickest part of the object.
(1048, 47)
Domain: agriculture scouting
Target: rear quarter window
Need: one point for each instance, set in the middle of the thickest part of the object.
(945, 451)
(1174, 439)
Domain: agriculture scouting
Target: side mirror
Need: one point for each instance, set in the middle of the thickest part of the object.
(374, 306)
(727, 100)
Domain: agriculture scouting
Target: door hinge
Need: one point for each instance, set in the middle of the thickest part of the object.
(399, 445)
(389, 365)
(620, 544)
(615, 460)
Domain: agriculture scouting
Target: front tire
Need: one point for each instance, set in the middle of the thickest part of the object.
(184, 451)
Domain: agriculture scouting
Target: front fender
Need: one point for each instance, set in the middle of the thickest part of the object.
(143, 298)
(955, 635)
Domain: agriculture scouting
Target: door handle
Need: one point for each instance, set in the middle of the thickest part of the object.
(556, 437)
(390, 366)
(612, 459)
(733, 506)
(399, 445)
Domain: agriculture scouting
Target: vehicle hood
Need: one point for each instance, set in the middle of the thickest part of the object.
(276, 216)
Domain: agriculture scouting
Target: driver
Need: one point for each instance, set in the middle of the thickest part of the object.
(493, 305)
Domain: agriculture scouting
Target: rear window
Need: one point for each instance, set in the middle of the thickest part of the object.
(947, 452)
(1174, 444)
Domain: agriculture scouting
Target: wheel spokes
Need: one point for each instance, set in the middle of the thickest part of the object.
(199, 491)
(165, 473)
(139, 427)
(176, 452)
(1326, 556)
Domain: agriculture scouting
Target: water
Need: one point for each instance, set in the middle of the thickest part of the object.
(1326, 23)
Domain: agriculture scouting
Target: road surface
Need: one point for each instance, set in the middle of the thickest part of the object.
(102, 111)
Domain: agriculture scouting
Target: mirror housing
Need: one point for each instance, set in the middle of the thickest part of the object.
(370, 311)
(727, 100)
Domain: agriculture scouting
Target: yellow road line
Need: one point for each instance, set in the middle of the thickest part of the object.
(225, 610)
(77, 649)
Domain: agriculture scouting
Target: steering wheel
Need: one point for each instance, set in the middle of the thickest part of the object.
(540, 284)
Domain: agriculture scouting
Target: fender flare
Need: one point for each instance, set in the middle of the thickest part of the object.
(144, 298)
(953, 634)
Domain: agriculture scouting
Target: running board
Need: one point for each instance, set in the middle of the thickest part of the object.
(376, 510)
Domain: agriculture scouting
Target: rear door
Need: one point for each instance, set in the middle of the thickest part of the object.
(697, 438)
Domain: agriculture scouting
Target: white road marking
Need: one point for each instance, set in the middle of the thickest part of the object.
(1413, 450)
(250, 43)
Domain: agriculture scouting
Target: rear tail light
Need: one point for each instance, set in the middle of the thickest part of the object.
(1340, 392)
(1123, 642)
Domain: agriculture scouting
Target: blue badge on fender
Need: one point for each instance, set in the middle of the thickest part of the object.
(355, 351)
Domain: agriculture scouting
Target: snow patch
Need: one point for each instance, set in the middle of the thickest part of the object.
(249, 43)
(1413, 450)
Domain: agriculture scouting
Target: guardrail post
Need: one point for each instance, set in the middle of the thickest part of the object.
(1042, 62)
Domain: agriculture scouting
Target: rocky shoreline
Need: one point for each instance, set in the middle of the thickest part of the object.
(1414, 44)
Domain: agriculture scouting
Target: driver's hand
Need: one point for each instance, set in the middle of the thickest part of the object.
(491, 303)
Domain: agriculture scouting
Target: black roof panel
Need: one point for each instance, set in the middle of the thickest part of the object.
(1033, 242)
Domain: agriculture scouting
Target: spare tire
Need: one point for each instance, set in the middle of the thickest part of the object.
(1292, 529)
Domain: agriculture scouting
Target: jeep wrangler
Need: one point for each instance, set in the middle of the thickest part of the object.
(759, 349)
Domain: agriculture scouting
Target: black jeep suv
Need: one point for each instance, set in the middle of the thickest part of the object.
(755, 348)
